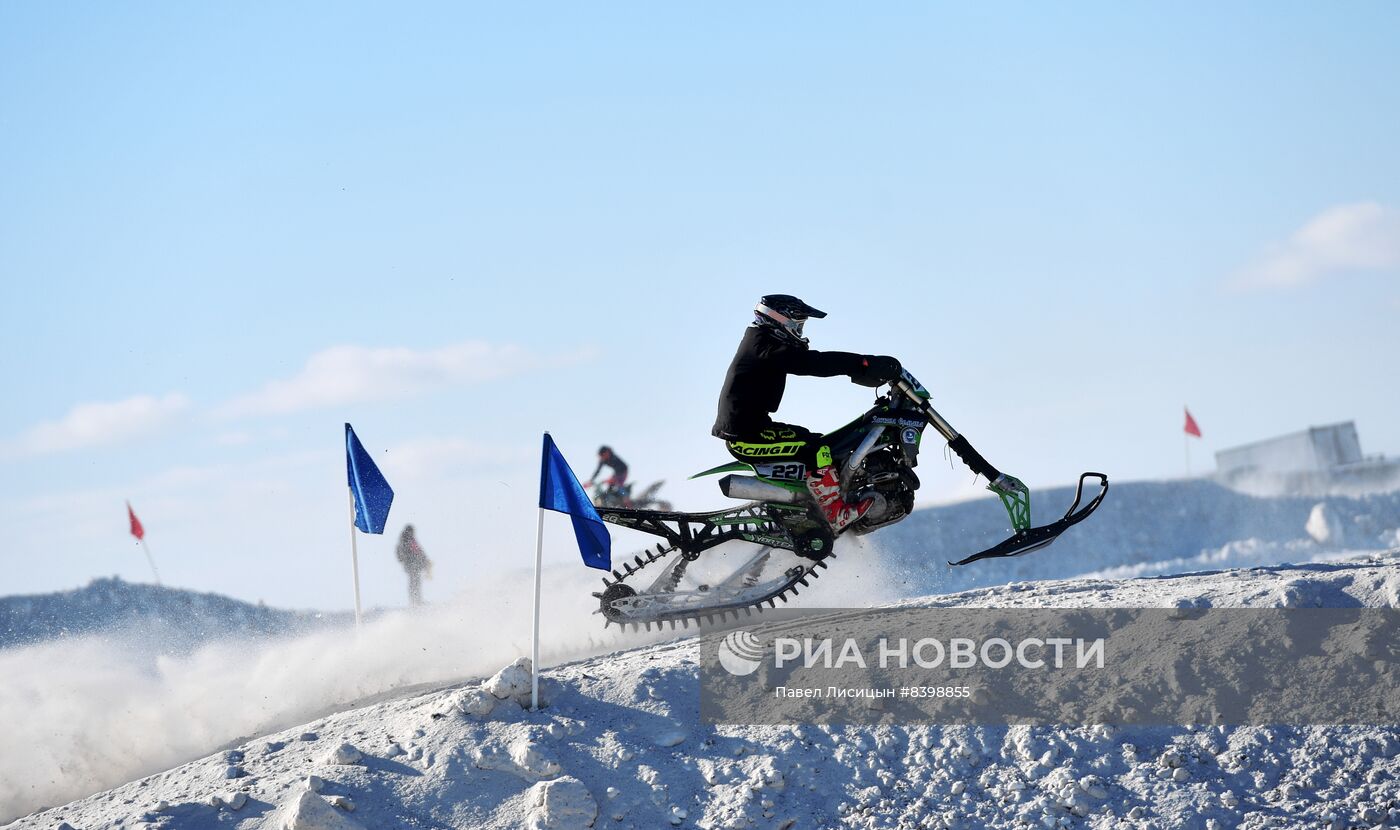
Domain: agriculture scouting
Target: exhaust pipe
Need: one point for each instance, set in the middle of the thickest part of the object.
(752, 489)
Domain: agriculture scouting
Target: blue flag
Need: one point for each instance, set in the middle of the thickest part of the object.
(561, 492)
(372, 493)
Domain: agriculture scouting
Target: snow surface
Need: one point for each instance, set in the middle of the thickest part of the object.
(618, 744)
(1142, 528)
(84, 713)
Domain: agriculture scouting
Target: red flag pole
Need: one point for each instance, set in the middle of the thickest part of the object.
(149, 559)
(1189, 429)
(139, 531)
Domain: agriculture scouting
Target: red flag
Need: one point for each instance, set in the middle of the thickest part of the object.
(1191, 427)
(136, 529)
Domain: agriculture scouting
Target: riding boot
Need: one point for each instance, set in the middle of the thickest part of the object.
(826, 489)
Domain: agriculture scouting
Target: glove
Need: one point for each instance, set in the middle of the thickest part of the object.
(877, 370)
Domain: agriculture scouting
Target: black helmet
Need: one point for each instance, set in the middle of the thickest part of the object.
(605, 450)
(785, 314)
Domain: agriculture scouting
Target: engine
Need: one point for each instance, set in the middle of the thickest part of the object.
(888, 480)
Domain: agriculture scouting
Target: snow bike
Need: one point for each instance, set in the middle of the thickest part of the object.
(606, 495)
(876, 455)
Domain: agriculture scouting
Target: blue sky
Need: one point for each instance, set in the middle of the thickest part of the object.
(227, 229)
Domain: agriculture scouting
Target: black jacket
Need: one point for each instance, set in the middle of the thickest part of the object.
(617, 465)
(757, 377)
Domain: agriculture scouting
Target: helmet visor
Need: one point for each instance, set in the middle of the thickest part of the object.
(792, 325)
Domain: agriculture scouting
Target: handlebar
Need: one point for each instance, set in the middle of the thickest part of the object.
(997, 481)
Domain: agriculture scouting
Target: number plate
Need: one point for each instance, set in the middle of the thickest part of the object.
(782, 472)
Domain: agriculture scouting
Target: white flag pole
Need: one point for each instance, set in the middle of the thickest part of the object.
(535, 646)
(142, 540)
(354, 557)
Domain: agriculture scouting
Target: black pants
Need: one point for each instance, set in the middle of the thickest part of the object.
(790, 452)
(778, 444)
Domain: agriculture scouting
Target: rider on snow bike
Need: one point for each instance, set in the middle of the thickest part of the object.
(608, 458)
(771, 349)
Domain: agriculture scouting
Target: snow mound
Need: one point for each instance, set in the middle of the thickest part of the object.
(562, 804)
(308, 811)
(620, 745)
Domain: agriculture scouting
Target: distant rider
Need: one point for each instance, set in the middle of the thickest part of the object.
(608, 458)
(771, 349)
(415, 562)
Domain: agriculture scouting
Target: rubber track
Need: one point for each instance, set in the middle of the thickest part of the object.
(710, 615)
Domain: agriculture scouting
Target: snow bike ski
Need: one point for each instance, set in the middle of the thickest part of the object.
(876, 455)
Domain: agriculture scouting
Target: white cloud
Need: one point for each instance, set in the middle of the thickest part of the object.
(95, 424)
(354, 374)
(1364, 236)
(435, 457)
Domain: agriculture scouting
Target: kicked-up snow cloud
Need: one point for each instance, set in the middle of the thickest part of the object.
(356, 374)
(100, 423)
(1364, 236)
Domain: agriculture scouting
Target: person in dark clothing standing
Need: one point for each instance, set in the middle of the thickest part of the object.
(415, 562)
(771, 349)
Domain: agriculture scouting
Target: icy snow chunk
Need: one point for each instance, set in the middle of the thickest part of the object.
(344, 755)
(342, 802)
(1093, 788)
(233, 800)
(307, 811)
(1322, 526)
(1297, 593)
(527, 759)
(562, 804)
(475, 702)
(534, 759)
(511, 682)
(314, 783)
(674, 736)
(492, 757)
